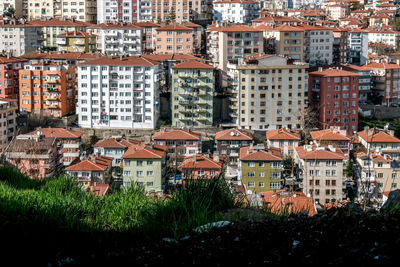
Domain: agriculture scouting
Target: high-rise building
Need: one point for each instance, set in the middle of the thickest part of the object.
(119, 92)
(113, 11)
(357, 46)
(236, 11)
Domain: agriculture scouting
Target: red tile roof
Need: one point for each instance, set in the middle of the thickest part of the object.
(379, 137)
(381, 65)
(58, 133)
(192, 64)
(287, 28)
(126, 61)
(171, 57)
(99, 164)
(328, 135)
(116, 143)
(375, 157)
(333, 73)
(201, 162)
(281, 202)
(176, 134)
(55, 22)
(174, 27)
(233, 134)
(4, 60)
(59, 55)
(76, 34)
(191, 25)
(283, 134)
(233, 28)
(319, 153)
(235, 2)
(99, 189)
(143, 151)
(272, 154)
(147, 24)
(115, 26)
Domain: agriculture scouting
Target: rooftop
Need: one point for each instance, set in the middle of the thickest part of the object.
(176, 134)
(283, 202)
(100, 163)
(116, 143)
(329, 135)
(232, 135)
(319, 152)
(118, 61)
(201, 162)
(57, 133)
(271, 154)
(143, 151)
(192, 64)
(283, 134)
(333, 73)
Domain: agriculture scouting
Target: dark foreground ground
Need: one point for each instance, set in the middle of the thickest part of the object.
(337, 237)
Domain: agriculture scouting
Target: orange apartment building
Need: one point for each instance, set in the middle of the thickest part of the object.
(47, 88)
(174, 38)
(9, 67)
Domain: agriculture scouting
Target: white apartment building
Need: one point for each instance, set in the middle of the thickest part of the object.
(388, 37)
(112, 11)
(318, 45)
(336, 12)
(358, 46)
(118, 92)
(16, 4)
(118, 39)
(235, 11)
(268, 93)
(19, 39)
(44, 8)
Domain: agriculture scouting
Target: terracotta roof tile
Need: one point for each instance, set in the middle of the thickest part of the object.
(147, 24)
(233, 28)
(143, 151)
(61, 56)
(99, 164)
(233, 134)
(57, 133)
(115, 143)
(176, 134)
(283, 134)
(329, 135)
(381, 65)
(115, 26)
(201, 162)
(171, 57)
(281, 202)
(174, 27)
(76, 34)
(126, 61)
(5, 60)
(379, 137)
(247, 154)
(322, 153)
(192, 64)
(333, 73)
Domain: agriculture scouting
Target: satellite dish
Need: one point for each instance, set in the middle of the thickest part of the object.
(232, 133)
(39, 133)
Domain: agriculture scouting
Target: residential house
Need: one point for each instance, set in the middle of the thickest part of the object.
(285, 139)
(199, 166)
(282, 202)
(145, 165)
(340, 39)
(114, 148)
(321, 172)
(93, 169)
(34, 155)
(230, 141)
(260, 170)
(382, 141)
(332, 136)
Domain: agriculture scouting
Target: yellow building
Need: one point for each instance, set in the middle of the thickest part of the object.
(76, 41)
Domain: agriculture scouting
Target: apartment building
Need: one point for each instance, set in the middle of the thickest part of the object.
(47, 88)
(16, 4)
(333, 136)
(69, 143)
(381, 141)
(148, 35)
(17, 39)
(114, 148)
(34, 155)
(193, 87)
(8, 121)
(200, 167)
(231, 43)
(385, 81)
(229, 142)
(321, 173)
(289, 42)
(357, 46)
(9, 85)
(384, 36)
(364, 81)
(76, 42)
(285, 139)
(318, 44)
(91, 170)
(336, 12)
(333, 95)
(118, 39)
(182, 11)
(260, 170)
(119, 92)
(83, 10)
(145, 165)
(180, 143)
(379, 20)
(129, 11)
(235, 11)
(268, 92)
(375, 175)
(174, 38)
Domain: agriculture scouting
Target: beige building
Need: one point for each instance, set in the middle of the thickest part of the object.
(84, 10)
(321, 173)
(375, 174)
(268, 92)
(8, 123)
(289, 41)
(381, 141)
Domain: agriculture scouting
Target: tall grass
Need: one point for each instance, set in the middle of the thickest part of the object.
(60, 202)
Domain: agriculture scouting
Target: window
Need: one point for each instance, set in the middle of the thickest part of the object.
(261, 174)
(251, 174)
(275, 185)
(139, 173)
(261, 184)
(394, 175)
(150, 173)
(212, 172)
(139, 163)
(252, 164)
(149, 184)
(394, 185)
(127, 173)
(250, 184)
(149, 162)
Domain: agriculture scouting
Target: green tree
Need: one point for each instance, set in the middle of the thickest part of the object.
(288, 165)
(9, 12)
(349, 169)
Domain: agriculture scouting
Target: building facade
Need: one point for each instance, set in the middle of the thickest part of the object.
(285, 139)
(381, 141)
(114, 148)
(91, 170)
(268, 92)
(193, 88)
(47, 88)
(18, 39)
(229, 142)
(235, 11)
(8, 121)
(339, 48)
(357, 47)
(9, 68)
(318, 44)
(335, 137)
(76, 42)
(200, 167)
(174, 38)
(118, 92)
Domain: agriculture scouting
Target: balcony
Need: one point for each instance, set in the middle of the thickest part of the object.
(184, 102)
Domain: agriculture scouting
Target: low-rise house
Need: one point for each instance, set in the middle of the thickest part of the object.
(321, 172)
(260, 169)
(113, 147)
(92, 169)
(333, 136)
(229, 142)
(375, 174)
(285, 139)
(199, 166)
(382, 141)
(283, 202)
(34, 155)
(68, 142)
(145, 165)
(180, 143)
